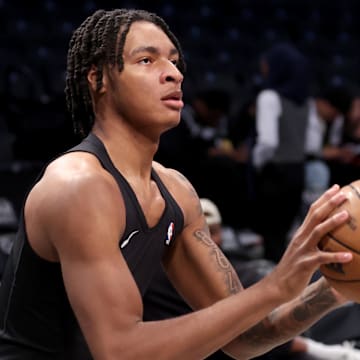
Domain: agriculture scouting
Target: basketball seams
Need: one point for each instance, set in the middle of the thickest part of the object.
(355, 190)
(332, 237)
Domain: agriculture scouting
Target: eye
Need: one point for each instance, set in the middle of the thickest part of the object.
(175, 62)
(145, 61)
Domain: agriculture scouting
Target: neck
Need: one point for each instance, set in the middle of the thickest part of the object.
(131, 151)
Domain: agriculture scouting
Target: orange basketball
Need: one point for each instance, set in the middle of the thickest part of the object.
(346, 277)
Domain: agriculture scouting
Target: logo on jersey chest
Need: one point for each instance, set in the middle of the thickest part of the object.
(169, 236)
(127, 240)
(170, 233)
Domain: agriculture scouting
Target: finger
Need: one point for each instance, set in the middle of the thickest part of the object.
(328, 194)
(334, 257)
(328, 225)
(321, 210)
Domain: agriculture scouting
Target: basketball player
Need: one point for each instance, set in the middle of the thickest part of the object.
(101, 215)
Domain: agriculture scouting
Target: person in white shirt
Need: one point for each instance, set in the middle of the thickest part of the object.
(328, 110)
(279, 152)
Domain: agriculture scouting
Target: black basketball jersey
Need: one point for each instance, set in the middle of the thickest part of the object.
(36, 320)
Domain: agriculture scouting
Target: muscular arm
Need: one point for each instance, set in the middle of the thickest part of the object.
(281, 324)
(80, 215)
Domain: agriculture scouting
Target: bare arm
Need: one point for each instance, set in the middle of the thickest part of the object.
(284, 322)
(79, 214)
(287, 321)
(83, 224)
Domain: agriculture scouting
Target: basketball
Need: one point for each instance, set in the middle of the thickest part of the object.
(345, 278)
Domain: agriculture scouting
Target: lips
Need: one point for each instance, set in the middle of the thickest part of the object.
(173, 100)
(175, 95)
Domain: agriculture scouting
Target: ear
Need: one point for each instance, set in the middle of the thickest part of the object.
(92, 80)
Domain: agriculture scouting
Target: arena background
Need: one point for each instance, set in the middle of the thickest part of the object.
(222, 42)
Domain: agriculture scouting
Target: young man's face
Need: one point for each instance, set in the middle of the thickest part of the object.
(147, 92)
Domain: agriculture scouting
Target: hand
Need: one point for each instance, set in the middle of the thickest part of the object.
(302, 256)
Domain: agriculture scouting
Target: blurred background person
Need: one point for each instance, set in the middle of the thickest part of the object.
(345, 167)
(329, 153)
(279, 152)
(328, 119)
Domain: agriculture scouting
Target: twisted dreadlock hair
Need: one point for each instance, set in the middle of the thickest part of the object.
(98, 41)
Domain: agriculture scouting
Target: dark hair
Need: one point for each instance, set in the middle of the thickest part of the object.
(98, 41)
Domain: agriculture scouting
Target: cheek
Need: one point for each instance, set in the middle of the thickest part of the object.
(141, 95)
(139, 107)
(131, 96)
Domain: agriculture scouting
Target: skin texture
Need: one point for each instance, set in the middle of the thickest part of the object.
(77, 203)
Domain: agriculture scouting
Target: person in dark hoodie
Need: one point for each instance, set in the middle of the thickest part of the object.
(279, 151)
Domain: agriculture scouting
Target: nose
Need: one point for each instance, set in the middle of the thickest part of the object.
(172, 74)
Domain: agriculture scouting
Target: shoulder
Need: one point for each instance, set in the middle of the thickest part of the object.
(76, 173)
(182, 190)
(74, 188)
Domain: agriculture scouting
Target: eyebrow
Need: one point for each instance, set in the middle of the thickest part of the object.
(151, 49)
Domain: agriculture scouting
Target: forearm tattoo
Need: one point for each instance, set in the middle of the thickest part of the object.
(223, 265)
(282, 324)
(313, 303)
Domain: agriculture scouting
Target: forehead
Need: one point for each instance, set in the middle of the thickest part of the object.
(144, 34)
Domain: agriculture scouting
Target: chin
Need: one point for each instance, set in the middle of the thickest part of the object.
(170, 121)
(172, 124)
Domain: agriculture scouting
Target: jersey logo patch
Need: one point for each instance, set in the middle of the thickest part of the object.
(127, 240)
(170, 233)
